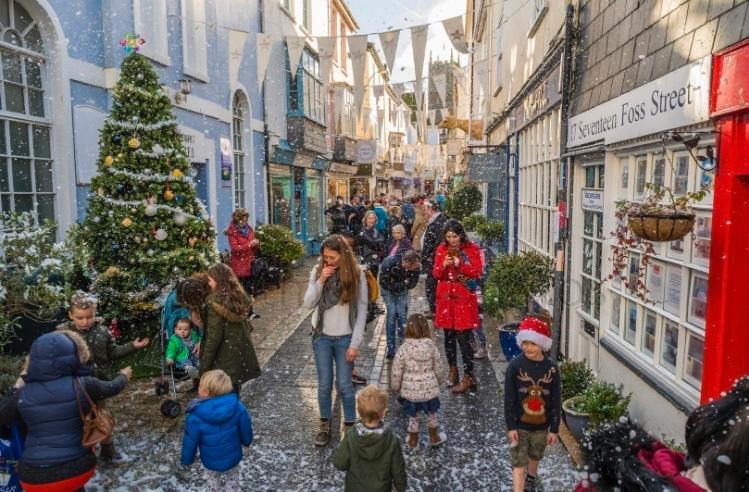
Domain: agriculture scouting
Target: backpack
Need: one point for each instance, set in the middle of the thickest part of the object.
(11, 450)
(373, 287)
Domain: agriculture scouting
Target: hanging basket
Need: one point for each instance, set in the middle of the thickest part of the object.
(661, 226)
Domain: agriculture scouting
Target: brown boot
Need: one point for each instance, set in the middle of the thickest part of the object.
(413, 439)
(452, 378)
(468, 382)
(436, 438)
(110, 453)
(323, 435)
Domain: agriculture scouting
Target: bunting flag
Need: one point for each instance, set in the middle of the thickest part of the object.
(454, 29)
(432, 116)
(389, 42)
(326, 50)
(264, 46)
(380, 116)
(419, 94)
(440, 84)
(482, 74)
(419, 46)
(337, 109)
(379, 91)
(366, 120)
(237, 40)
(295, 47)
(398, 90)
(358, 50)
(458, 77)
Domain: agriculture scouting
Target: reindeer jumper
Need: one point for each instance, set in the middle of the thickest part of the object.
(532, 395)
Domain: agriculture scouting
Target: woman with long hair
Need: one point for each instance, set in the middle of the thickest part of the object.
(337, 291)
(227, 344)
(457, 269)
(243, 247)
(371, 243)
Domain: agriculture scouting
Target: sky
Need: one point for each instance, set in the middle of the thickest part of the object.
(387, 15)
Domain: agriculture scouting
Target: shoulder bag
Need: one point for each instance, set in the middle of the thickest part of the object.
(98, 423)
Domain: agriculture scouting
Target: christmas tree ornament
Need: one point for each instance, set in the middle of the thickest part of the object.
(108, 160)
(176, 173)
(150, 252)
(100, 191)
(180, 219)
(116, 139)
(169, 195)
(153, 200)
(137, 239)
(120, 187)
(151, 210)
(160, 234)
(127, 222)
(179, 197)
(192, 241)
(133, 143)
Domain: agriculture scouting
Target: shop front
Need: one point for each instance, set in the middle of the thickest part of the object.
(646, 328)
(338, 184)
(295, 182)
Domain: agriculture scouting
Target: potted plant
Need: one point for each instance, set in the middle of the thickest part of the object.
(601, 402)
(576, 378)
(660, 217)
(279, 249)
(463, 201)
(510, 284)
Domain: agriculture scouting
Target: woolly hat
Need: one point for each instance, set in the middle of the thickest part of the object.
(534, 330)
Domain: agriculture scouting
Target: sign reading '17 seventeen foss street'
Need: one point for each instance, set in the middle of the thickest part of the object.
(677, 99)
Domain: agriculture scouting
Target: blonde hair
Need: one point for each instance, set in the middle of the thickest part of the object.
(371, 402)
(394, 211)
(216, 383)
(82, 300)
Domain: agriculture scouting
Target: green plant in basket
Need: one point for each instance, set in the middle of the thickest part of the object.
(576, 377)
(278, 246)
(603, 402)
(514, 279)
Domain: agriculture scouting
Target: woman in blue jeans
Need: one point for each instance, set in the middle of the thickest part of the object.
(338, 291)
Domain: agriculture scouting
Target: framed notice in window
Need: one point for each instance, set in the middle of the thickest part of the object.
(701, 247)
(655, 281)
(672, 301)
(698, 300)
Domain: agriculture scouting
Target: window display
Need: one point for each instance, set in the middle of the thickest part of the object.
(670, 345)
(698, 300)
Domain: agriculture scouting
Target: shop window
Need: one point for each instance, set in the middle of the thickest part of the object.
(655, 281)
(630, 329)
(280, 185)
(659, 170)
(701, 242)
(672, 302)
(616, 313)
(624, 177)
(633, 272)
(240, 111)
(647, 345)
(670, 345)
(314, 103)
(313, 191)
(681, 174)
(698, 300)
(705, 178)
(694, 360)
(641, 175)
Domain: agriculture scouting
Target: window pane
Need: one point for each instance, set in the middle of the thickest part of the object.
(4, 13)
(681, 175)
(19, 138)
(588, 256)
(41, 141)
(587, 289)
(633, 276)
(630, 328)
(21, 18)
(12, 38)
(590, 177)
(596, 300)
(588, 223)
(648, 334)
(601, 176)
(21, 175)
(659, 170)
(3, 148)
(36, 102)
(598, 256)
(642, 176)
(12, 67)
(624, 180)
(4, 183)
(45, 207)
(599, 225)
(693, 364)
(43, 170)
(670, 346)
(616, 311)
(14, 98)
(33, 74)
(5, 202)
(24, 203)
(34, 40)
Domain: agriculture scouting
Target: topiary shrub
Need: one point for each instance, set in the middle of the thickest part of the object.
(513, 279)
(465, 200)
(473, 222)
(576, 377)
(491, 232)
(603, 402)
(278, 246)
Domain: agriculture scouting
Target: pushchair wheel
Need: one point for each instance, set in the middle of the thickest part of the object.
(161, 388)
(171, 409)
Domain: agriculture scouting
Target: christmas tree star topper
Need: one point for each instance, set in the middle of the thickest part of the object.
(132, 42)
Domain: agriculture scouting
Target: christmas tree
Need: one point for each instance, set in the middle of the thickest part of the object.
(145, 225)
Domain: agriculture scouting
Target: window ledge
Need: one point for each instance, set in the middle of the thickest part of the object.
(159, 58)
(537, 21)
(202, 76)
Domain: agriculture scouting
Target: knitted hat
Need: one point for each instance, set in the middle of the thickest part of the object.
(534, 330)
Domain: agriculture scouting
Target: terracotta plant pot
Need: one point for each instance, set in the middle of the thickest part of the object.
(661, 226)
(577, 422)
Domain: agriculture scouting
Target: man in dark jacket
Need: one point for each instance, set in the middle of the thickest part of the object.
(338, 215)
(432, 238)
(398, 274)
(355, 214)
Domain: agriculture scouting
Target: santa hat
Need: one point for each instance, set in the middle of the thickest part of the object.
(534, 330)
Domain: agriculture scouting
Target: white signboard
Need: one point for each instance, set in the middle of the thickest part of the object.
(677, 99)
(366, 151)
(592, 200)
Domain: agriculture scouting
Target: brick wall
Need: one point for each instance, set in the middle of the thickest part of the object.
(627, 43)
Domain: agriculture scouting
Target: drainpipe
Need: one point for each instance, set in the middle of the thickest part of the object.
(266, 163)
(562, 263)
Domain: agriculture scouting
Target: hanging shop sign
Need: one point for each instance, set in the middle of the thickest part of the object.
(677, 99)
(225, 144)
(592, 200)
(339, 167)
(366, 151)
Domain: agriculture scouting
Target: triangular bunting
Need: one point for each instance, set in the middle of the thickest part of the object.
(295, 46)
(358, 49)
(454, 29)
(237, 42)
(379, 90)
(432, 116)
(419, 45)
(366, 120)
(338, 109)
(389, 42)
(419, 94)
(326, 50)
(398, 89)
(482, 74)
(264, 45)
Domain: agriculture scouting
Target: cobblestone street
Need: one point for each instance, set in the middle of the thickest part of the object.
(283, 405)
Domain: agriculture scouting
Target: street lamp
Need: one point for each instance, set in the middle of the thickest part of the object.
(185, 88)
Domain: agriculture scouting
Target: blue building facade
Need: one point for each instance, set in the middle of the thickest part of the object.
(60, 60)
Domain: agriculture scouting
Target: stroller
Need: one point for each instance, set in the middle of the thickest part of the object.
(170, 313)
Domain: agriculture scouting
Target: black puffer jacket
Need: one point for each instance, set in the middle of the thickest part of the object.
(432, 238)
(47, 403)
(371, 246)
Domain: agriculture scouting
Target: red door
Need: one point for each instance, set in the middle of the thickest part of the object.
(727, 327)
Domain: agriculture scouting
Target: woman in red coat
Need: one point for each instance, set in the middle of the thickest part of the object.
(457, 269)
(243, 247)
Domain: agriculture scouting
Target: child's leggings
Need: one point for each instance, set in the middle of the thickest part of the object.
(413, 422)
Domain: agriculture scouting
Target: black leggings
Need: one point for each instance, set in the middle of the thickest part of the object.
(462, 338)
(249, 285)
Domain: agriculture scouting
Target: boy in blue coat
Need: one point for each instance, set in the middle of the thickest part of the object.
(218, 424)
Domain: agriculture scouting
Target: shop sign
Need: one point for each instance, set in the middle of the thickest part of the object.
(226, 166)
(677, 99)
(592, 200)
(303, 160)
(428, 174)
(337, 167)
(197, 148)
(366, 151)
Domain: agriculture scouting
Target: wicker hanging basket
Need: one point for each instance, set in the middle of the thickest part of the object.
(661, 226)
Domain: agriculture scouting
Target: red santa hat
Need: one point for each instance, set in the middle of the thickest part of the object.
(534, 330)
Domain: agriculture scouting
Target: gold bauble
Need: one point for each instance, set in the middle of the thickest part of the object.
(127, 222)
(177, 173)
(108, 160)
(169, 195)
(133, 143)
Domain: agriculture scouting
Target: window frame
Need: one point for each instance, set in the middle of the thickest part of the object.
(154, 28)
(195, 39)
(240, 109)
